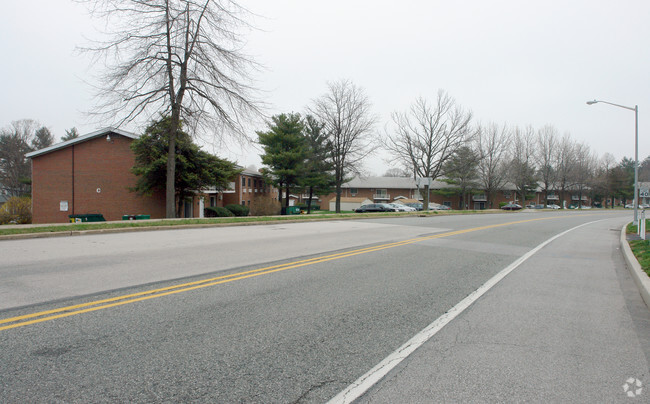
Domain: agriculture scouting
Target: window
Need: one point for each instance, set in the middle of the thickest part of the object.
(382, 192)
(354, 191)
(213, 201)
(243, 203)
(254, 183)
(507, 194)
(243, 181)
(447, 203)
(249, 183)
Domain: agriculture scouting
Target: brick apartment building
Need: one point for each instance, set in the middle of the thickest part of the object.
(390, 189)
(92, 174)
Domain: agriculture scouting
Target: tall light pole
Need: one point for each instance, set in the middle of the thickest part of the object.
(636, 153)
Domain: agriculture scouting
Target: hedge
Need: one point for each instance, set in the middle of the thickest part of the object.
(217, 211)
(238, 210)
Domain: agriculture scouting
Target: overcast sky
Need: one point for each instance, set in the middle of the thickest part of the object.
(515, 62)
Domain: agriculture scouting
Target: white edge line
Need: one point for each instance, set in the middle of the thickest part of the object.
(365, 382)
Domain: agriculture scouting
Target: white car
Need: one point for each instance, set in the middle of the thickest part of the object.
(401, 208)
(553, 206)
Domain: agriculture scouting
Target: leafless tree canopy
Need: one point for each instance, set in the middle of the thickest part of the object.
(492, 146)
(349, 122)
(167, 54)
(522, 165)
(428, 135)
(180, 58)
(547, 145)
(19, 138)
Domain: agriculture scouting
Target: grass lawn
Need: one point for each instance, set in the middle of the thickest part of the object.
(640, 248)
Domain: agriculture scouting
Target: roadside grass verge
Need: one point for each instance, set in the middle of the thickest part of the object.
(167, 223)
(640, 249)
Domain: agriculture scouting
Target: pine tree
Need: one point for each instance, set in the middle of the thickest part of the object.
(284, 151)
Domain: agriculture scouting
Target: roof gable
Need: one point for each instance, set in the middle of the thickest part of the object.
(80, 139)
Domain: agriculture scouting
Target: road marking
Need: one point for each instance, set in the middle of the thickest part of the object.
(67, 311)
(374, 375)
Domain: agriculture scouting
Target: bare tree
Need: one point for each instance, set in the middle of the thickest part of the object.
(602, 178)
(345, 112)
(428, 136)
(522, 168)
(583, 170)
(396, 172)
(565, 165)
(492, 146)
(18, 139)
(176, 58)
(546, 155)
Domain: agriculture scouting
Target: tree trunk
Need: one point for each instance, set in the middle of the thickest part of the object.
(170, 186)
(338, 198)
(286, 196)
(311, 193)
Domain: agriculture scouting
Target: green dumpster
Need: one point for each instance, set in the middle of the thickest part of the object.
(87, 217)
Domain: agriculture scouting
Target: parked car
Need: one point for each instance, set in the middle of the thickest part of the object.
(511, 206)
(437, 206)
(415, 205)
(553, 206)
(401, 207)
(375, 207)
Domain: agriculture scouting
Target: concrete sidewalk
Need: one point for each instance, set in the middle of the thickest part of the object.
(568, 325)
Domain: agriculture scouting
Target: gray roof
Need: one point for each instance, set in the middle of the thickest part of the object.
(392, 183)
(97, 133)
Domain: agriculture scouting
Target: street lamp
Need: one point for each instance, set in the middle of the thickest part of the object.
(636, 153)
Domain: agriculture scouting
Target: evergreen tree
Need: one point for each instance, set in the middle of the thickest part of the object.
(318, 176)
(42, 139)
(195, 168)
(462, 170)
(70, 134)
(284, 152)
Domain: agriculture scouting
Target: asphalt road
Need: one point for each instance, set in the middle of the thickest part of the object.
(299, 312)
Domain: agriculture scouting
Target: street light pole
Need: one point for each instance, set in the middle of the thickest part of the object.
(636, 153)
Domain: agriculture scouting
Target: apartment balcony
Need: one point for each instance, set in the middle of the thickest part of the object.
(381, 197)
(552, 197)
(479, 198)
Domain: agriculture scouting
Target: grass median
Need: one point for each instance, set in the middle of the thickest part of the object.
(74, 228)
(640, 248)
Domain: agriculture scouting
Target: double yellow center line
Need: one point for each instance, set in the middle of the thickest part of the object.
(67, 311)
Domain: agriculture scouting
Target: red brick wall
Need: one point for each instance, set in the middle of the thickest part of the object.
(99, 165)
(51, 184)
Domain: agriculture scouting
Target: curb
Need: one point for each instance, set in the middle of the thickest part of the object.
(641, 279)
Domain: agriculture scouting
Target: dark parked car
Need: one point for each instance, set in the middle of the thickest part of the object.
(511, 206)
(375, 207)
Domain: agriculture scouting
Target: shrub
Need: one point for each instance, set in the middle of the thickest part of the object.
(264, 206)
(502, 204)
(217, 211)
(16, 210)
(238, 210)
